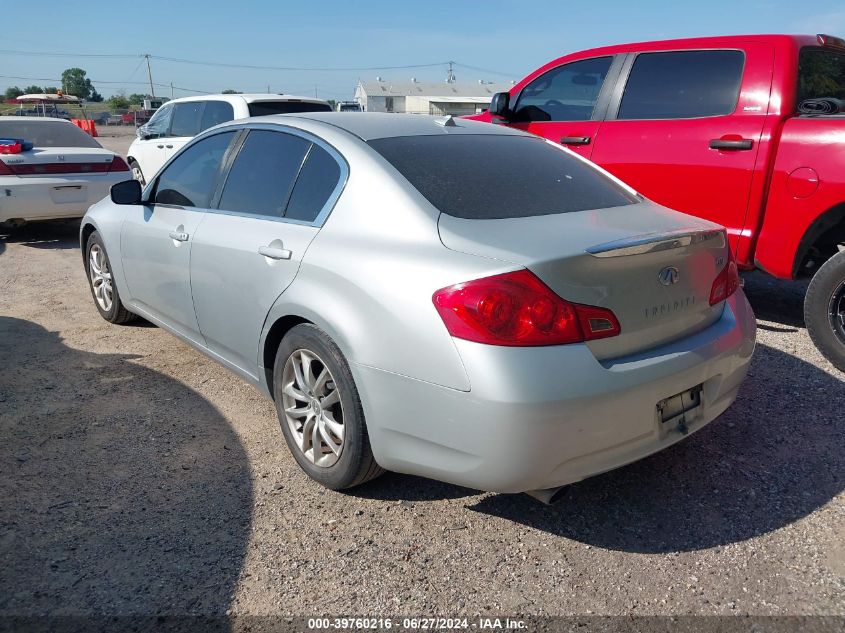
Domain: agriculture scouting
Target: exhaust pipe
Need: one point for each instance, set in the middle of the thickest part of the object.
(549, 496)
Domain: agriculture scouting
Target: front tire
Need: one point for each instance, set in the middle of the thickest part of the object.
(100, 280)
(320, 410)
(824, 310)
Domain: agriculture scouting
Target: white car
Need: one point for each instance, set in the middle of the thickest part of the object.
(64, 173)
(180, 120)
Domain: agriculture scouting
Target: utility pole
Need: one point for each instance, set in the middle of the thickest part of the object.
(450, 78)
(171, 90)
(268, 88)
(150, 75)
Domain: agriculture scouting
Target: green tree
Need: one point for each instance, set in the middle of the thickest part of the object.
(13, 92)
(74, 82)
(96, 97)
(229, 91)
(136, 98)
(118, 102)
(29, 90)
(51, 90)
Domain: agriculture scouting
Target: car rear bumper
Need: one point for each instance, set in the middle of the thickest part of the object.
(34, 198)
(547, 416)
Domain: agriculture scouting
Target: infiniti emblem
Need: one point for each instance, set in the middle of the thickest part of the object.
(668, 276)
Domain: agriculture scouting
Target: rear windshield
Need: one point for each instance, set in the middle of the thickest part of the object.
(821, 73)
(495, 176)
(47, 133)
(265, 108)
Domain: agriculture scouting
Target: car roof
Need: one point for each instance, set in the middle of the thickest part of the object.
(31, 119)
(374, 125)
(248, 97)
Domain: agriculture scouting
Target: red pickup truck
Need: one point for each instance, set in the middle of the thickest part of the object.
(712, 127)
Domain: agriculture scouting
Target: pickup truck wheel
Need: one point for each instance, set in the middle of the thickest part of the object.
(824, 310)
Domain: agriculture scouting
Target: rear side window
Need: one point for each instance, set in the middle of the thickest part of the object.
(47, 133)
(216, 112)
(159, 124)
(186, 118)
(683, 85)
(821, 73)
(262, 176)
(489, 176)
(265, 108)
(565, 93)
(317, 180)
(190, 180)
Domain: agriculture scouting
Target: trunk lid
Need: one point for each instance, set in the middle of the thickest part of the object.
(653, 267)
(43, 161)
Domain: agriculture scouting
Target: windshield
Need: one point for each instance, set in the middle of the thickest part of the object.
(489, 176)
(47, 133)
(265, 108)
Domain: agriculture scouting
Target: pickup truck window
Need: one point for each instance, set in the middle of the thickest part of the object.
(683, 85)
(821, 73)
(565, 93)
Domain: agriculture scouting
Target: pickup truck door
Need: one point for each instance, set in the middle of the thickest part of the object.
(566, 103)
(684, 128)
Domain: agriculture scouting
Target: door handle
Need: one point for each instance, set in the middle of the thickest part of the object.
(179, 236)
(169, 146)
(274, 253)
(575, 140)
(160, 146)
(739, 144)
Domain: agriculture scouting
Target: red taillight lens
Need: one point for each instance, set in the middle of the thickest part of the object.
(118, 164)
(517, 309)
(5, 170)
(726, 282)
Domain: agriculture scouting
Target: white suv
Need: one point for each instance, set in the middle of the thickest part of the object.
(179, 120)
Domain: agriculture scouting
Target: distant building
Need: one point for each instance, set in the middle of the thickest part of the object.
(426, 97)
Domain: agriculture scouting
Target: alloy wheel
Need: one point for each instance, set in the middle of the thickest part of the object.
(101, 280)
(312, 406)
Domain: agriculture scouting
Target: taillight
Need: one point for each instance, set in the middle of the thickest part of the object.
(5, 170)
(118, 164)
(517, 309)
(726, 282)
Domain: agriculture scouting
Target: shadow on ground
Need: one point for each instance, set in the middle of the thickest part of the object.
(773, 458)
(61, 234)
(123, 490)
(776, 300)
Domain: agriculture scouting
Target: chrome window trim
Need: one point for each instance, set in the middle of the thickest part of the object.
(328, 207)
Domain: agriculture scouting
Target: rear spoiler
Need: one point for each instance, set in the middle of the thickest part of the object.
(654, 242)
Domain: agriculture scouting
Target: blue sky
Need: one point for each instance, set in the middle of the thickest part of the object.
(505, 37)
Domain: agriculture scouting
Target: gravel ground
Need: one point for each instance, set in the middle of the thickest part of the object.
(138, 477)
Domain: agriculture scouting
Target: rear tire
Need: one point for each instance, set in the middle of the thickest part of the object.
(824, 310)
(103, 288)
(326, 410)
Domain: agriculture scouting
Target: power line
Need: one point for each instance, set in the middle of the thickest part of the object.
(46, 54)
(118, 83)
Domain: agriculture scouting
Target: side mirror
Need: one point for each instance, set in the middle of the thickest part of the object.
(126, 192)
(500, 105)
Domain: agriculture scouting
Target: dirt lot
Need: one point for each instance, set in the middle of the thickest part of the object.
(138, 477)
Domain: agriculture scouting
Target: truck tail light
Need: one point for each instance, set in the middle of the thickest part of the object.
(118, 164)
(726, 282)
(517, 309)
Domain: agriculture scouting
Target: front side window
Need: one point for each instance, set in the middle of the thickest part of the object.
(492, 176)
(821, 74)
(683, 85)
(565, 93)
(190, 180)
(262, 176)
(317, 180)
(215, 113)
(159, 124)
(186, 118)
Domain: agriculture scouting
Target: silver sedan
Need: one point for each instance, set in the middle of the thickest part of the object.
(440, 297)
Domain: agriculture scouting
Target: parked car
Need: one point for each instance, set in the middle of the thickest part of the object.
(456, 300)
(64, 173)
(179, 120)
(711, 126)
